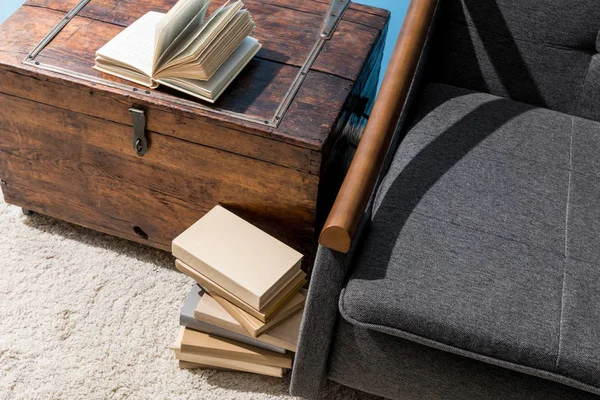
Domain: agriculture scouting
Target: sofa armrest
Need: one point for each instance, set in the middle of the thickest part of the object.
(341, 225)
(328, 278)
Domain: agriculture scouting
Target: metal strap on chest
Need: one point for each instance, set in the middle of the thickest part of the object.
(333, 17)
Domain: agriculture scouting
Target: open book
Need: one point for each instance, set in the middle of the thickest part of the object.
(182, 49)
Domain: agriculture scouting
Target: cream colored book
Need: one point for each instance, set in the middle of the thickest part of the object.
(270, 309)
(182, 49)
(285, 335)
(256, 327)
(231, 365)
(224, 363)
(237, 256)
(204, 344)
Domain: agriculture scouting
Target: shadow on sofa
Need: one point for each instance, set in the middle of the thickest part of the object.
(462, 256)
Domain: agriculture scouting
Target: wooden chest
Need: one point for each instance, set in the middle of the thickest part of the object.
(264, 150)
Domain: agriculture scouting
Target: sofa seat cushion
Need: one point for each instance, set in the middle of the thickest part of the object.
(485, 237)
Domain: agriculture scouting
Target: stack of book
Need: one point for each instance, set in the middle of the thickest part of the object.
(244, 311)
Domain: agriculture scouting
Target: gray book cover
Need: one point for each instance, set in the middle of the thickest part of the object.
(186, 318)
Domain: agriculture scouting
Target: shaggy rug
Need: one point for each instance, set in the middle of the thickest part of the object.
(84, 315)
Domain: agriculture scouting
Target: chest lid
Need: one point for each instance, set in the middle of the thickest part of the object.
(291, 92)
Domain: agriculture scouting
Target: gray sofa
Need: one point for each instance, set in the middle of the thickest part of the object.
(476, 270)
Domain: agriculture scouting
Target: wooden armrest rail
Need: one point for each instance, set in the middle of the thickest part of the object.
(361, 178)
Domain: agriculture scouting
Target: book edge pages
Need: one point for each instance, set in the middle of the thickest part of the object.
(239, 68)
(286, 293)
(281, 284)
(269, 338)
(256, 327)
(205, 283)
(187, 318)
(127, 39)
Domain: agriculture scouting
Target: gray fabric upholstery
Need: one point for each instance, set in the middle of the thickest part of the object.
(537, 52)
(401, 369)
(589, 105)
(318, 325)
(320, 318)
(471, 248)
(484, 240)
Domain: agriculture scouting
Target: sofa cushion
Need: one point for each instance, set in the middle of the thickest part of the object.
(485, 236)
(535, 51)
(396, 368)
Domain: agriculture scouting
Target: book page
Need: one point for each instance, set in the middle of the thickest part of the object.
(210, 90)
(134, 46)
(217, 20)
(195, 25)
(186, 13)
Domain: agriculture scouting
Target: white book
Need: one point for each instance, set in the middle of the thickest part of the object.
(237, 256)
(182, 50)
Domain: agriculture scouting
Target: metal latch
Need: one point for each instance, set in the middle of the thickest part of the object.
(140, 142)
(333, 17)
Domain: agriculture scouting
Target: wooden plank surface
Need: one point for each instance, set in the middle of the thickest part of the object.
(116, 11)
(257, 91)
(86, 164)
(287, 34)
(22, 31)
(197, 130)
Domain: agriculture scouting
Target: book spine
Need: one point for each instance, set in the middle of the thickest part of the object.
(215, 330)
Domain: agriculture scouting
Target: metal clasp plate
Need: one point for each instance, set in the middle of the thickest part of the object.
(140, 142)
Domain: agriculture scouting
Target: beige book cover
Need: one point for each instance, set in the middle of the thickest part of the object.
(237, 256)
(271, 308)
(233, 365)
(191, 365)
(285, 335)
(224, 363)
(256, 327)
(204, 344)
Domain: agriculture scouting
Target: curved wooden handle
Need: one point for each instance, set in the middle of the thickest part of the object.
(361, 178)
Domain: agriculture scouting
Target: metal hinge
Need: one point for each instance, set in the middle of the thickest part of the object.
(140, 142)
(333, 17)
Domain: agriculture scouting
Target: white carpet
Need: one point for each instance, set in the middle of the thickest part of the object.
(88, 316)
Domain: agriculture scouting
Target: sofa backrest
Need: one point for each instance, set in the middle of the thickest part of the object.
(541, 52)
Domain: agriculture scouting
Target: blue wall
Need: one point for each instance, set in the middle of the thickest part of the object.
(397, 7)
(7, 7)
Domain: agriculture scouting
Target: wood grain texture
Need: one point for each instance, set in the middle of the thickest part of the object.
(257, 92)
(359, 13)
(84, 168)
(287, 34)
(358, 185)
(95, 103)
(65, 141)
